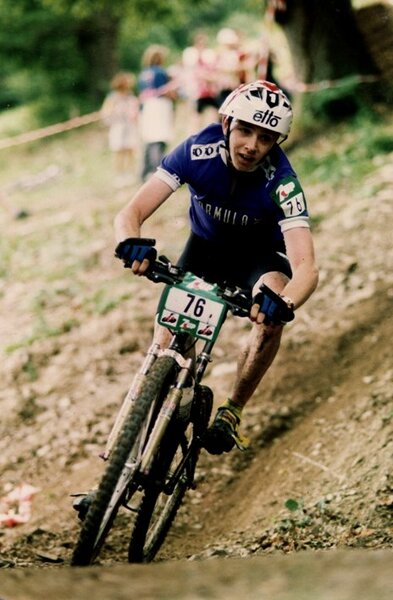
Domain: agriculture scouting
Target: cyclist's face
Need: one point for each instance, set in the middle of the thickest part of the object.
(248, 144)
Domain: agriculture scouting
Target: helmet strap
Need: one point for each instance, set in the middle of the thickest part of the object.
(227, 134)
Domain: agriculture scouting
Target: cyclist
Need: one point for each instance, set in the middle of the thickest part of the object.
(249, 226)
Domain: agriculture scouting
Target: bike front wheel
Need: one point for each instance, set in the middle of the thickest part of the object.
(121, 472)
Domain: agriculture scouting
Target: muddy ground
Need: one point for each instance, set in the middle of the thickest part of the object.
(306, 511)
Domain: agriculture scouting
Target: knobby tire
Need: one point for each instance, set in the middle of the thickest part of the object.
(150, 530)
(93, 532)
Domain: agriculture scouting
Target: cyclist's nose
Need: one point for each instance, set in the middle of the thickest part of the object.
(252, 143)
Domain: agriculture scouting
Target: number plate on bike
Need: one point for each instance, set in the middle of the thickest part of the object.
(192, 306)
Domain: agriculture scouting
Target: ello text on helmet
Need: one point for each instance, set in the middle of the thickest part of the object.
(266, 117)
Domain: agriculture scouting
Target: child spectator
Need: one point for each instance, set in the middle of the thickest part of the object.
(156, 93)
(120, 113)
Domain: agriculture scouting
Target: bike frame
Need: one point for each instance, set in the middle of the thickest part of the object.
(198, 293)
(193, 310)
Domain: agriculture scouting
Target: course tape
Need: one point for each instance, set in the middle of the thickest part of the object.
(37, 134)
(299, 86)
(296, 86)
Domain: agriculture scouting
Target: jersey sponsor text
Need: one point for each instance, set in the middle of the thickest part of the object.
(205, 151)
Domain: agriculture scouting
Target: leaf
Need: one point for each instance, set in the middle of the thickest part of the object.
(292, 505)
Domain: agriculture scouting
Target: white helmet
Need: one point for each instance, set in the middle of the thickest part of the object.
(260, 103)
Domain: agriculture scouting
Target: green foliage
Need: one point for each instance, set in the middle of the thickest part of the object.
(30, 369)
(292, 505)
(103, 302)
(42, 331)
(335, 104)
(61, 54)
(82, 9)
(47, 65)
(298, 517)
(353, 159)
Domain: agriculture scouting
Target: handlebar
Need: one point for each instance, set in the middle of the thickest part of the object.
(239, 300)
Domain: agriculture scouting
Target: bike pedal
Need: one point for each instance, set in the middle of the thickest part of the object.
(82, 504)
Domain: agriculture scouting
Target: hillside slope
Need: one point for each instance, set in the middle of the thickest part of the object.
(74, 326)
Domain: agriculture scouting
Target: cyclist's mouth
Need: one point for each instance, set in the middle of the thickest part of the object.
(246, 161)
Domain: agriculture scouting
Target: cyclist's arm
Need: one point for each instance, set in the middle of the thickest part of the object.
(301, 255)
(143, 204)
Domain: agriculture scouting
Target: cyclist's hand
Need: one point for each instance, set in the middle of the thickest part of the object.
(271, 308)
(136, 253)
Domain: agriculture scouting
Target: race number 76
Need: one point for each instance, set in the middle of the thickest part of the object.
(195, 304)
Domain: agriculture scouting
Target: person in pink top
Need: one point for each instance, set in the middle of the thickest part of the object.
(200, 75)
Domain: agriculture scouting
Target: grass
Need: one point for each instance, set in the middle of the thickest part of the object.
(16, 121)
(350, 158)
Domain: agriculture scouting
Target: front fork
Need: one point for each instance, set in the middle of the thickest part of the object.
(167, 410)
(170, 403)
(173, 398)
(132, 393)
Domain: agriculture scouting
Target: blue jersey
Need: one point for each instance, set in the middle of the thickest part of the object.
(253, 208)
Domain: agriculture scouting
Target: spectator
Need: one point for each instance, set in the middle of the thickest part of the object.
(157, 93)
(229, 68)
(120, 112)
(200, 76)
(268, 64)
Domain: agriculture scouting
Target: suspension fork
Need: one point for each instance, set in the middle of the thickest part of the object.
(169, 406)
(132, 393)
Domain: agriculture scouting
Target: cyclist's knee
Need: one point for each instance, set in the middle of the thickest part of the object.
(275, 280)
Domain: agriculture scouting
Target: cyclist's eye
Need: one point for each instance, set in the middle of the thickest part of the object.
(266, 139)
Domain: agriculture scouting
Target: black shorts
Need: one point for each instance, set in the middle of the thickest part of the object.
(231, 263)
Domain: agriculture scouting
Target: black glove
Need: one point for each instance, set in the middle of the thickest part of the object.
(136, 249)
(276, 310)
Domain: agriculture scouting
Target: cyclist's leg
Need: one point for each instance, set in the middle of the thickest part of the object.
(162, 336)
(260, 350)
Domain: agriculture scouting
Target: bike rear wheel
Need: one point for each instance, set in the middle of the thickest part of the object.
(114, 487)
(158, 506)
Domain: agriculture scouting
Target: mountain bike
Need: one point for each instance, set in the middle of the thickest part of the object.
(154, 446)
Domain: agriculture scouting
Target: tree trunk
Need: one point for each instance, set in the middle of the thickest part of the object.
(376, 24)
(98, 43)
(324, 40)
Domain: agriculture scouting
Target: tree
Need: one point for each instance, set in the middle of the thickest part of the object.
(66, 55)
(326, 44)
(62, 53)
(324, 39)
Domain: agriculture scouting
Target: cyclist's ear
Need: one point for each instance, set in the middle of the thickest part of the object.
(225, 125)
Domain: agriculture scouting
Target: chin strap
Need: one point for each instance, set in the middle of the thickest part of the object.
(226, 135)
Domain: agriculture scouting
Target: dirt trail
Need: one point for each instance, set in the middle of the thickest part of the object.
(342, 575)
(320, 425)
